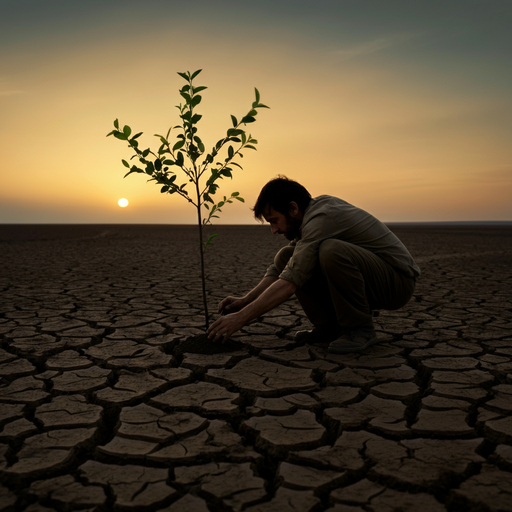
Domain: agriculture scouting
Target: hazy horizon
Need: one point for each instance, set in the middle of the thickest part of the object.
(212, 226)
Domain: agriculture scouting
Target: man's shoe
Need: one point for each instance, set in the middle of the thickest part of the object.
(356, 340)
(319, 334)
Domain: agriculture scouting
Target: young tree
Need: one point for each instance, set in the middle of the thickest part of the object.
(188, 155)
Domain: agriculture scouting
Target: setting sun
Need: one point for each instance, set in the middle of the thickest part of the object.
(123, 202)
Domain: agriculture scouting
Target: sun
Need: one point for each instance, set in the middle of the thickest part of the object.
(123, 203)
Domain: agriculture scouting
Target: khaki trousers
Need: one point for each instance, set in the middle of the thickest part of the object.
(348, 283)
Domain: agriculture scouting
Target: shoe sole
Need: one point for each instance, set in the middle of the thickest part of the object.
(315, 339)
(349, 350)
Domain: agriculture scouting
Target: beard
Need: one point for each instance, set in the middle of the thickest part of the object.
(292, 228)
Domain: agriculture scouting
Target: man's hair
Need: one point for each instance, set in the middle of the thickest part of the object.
(278, 194)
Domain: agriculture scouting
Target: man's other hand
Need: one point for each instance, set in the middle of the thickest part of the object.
(224, 327)
(231, 305)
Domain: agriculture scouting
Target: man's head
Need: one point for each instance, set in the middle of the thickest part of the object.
(282, 203)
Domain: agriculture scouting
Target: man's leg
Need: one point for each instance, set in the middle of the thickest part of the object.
(315, 299)
(359, 281)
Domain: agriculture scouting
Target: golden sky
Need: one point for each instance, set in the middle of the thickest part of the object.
(401, 108)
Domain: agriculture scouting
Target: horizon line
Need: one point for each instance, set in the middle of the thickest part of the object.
(424, 222)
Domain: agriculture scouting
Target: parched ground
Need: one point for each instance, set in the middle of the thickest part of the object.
(106, 402)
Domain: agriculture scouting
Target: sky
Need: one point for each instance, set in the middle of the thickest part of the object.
(403, 108)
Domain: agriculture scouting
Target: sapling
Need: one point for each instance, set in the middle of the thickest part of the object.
(188, 157)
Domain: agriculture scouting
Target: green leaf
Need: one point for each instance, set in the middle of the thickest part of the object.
(234, 121)
(165, 188)
(145, 153)
(183, 75)
(241, 199)
(125, 163)
(116, 123)
(211, 237)
(196, 100)
(199, 89)
(169, 162)
(231, 152)
(150, 169)
(199, 143)
(249, 146)
(120, 136)
(179, 159)
(232, 132)
(196, 118)
(238, 165)
(195, 73)
(248, 119)
(257, 95)
(158, 164)
(234, 194)
(137, 135)
(127, 130)
(186, 97)
(178, 145)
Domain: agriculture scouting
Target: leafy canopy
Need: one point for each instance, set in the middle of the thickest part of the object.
(187, 153)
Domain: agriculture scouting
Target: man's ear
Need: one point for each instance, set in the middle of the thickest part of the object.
(294, 210)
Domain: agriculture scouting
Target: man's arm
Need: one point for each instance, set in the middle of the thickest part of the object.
(271, 297)
(233, 304)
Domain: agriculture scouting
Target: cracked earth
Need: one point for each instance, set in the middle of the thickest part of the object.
(108, 403)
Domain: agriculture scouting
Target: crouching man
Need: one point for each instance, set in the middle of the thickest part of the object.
(341, 263)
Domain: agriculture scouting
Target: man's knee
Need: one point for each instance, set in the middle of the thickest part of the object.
(282, 257)
(333, 252)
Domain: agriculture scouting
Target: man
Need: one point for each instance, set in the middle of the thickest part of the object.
(341, 263)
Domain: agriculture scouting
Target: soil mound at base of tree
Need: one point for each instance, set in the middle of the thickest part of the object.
(200, 344)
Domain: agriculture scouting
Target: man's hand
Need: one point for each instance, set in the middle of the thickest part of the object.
(276, 291)
(224, 327)
(231, 305)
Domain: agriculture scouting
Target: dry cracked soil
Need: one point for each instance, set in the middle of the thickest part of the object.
(108, 401)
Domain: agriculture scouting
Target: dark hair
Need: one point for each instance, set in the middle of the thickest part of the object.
(278, 194)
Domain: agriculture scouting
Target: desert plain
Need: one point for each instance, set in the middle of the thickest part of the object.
(108, 403)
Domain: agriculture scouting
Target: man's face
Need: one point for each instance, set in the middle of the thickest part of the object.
(282, 224)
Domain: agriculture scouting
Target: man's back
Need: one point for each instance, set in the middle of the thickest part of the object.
(329, 217)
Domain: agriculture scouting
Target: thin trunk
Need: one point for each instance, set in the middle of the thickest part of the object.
(201, 251)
